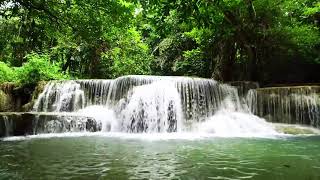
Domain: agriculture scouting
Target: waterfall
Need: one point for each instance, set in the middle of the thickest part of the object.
(8, 126)
(230, 122)
(294, 105)
(145, 104)
(59, 96)
(155, 107)
(199, 97)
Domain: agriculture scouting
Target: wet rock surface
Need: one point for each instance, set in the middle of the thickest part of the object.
(20, 124)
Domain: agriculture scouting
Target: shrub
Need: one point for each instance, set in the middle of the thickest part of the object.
(39, 68)
(7, 74)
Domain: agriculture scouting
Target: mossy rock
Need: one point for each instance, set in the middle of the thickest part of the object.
(38, 89)
(27, 107)
(293, 130)
(6, 102)
(19, 98)
(35, 94)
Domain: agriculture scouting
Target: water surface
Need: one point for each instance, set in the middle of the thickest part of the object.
(106, 157)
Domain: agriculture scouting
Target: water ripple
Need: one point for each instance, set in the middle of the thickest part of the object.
(115, 158)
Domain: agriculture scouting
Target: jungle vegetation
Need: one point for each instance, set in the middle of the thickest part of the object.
(269, 41)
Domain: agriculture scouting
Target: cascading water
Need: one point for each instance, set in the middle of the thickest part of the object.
(155, 107)
(151, 104)
(8, 126)
(60, 96)
(294, 105)
(229, 121)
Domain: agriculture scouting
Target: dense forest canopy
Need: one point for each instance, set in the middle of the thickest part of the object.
(270, 41)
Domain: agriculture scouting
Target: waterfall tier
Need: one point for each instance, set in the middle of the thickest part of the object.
(137, 104)
(199, 97)
(293, 105)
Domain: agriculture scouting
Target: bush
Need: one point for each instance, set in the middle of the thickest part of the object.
(130, 56)
(7, 74)
(193, 63)
(39, 68)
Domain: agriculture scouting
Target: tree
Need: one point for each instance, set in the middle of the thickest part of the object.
(232, 35)
(258, 40)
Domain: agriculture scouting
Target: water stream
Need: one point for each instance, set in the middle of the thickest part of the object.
(294, 105)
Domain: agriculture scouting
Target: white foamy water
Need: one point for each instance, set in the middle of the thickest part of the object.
(155, 107)
(148, 107)
(102, 114)
(229, 122)
(137, 136)
(236, 124)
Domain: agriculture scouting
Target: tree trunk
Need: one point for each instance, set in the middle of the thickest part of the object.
(244, 40)
(225, 60)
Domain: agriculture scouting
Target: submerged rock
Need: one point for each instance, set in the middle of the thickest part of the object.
(296, 130)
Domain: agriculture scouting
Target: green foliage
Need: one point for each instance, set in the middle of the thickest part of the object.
(309, 11)
(303, 36)
(192, 65)
(38, 68)
(228, 34)
(228, 39)
(130, 56)
(6, 73)
(199, 35)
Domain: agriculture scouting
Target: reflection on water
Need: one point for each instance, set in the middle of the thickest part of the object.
(98, 157)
